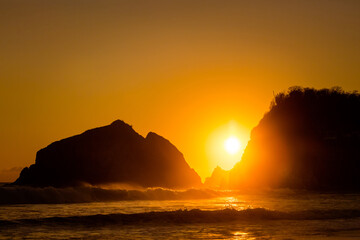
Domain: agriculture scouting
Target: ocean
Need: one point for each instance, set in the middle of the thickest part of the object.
(102, 213)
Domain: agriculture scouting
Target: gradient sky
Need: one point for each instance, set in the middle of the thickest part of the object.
(179, 68)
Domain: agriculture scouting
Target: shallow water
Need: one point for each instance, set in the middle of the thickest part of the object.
(216, 215)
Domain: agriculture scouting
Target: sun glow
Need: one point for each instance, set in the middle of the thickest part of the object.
(226, 145)
(232, 145)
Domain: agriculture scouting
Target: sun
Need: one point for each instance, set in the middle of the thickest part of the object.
(232, 145)
(226, 145)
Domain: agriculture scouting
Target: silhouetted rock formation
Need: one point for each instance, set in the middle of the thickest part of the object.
(218, 179)
(309, 139)
(110, 154)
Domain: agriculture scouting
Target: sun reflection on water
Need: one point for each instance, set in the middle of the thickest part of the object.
(240, 235)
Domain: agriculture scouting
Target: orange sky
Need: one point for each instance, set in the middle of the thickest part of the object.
(179, 68)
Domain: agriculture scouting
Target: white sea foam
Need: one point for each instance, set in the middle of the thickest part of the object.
(48, 195)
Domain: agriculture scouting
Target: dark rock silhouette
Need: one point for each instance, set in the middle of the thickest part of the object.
(110, 154)
(219, 179)
(310, 139)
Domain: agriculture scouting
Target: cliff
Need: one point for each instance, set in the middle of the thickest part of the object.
(310, 139)
(107, 155)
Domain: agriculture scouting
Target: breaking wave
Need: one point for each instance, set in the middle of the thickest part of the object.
(186, 217)
(51, 195)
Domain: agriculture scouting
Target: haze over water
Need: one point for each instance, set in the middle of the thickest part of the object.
(281, 214)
